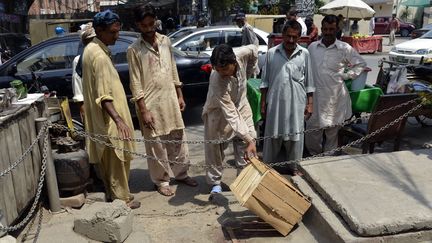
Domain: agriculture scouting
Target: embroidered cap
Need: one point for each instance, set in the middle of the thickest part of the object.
(106, 17)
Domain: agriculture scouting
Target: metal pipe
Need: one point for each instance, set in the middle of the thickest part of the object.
(50, 176)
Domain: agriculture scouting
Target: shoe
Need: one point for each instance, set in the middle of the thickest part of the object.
(216, 189)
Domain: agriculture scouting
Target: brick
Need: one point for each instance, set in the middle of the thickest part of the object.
(73, 202)
(96, 197)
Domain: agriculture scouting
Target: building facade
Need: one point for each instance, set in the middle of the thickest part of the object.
(45, 7)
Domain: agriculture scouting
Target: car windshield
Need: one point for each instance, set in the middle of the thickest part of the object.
(179, 35)
(427, 35)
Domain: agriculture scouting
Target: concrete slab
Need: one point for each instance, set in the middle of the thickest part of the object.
(377, 194)
(329, 227)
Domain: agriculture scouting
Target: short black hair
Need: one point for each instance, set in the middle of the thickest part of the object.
(292, 12)
(330, 19)
(144, 10)
(222, 55)
(293, 24)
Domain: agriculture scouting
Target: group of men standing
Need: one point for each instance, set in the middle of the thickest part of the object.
(298, 85)
(306, 86)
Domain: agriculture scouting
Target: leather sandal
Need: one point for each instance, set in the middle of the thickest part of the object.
(165, 190)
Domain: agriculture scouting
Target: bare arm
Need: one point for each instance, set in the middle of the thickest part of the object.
(123, 130)
(146, 115)
(263, 101)
(309, 106)
(180, 98)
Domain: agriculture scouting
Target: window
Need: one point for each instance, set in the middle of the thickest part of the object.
(200, 42)
(233, 38)
(118, 52)
(52, 57)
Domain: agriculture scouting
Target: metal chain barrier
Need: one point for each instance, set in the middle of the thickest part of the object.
(27, 152)
(108, 144)
(221, 141)
(39, 188)
(358, 141)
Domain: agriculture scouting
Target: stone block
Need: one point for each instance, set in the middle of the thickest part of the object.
(73, 202)
(8, 239)
(96, 197)
(106, 222)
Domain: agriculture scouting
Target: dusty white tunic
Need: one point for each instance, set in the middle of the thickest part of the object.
(332, 103)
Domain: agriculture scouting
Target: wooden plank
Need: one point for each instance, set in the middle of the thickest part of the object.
(276, 205)
(26, 141)
(266, 214)
(7, 195)
(245, 183)
(36, 152)
(261, 167)
(276, 174)
(18, 174)
(285, 193)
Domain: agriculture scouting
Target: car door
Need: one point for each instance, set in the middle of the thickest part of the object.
(52, 63)
(201, 42)
(382, 25)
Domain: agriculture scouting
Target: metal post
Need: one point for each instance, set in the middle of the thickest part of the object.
(50, 176)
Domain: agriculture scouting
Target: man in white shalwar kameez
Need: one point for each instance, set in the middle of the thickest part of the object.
(227, 113)
(287, 88)
(333, 61)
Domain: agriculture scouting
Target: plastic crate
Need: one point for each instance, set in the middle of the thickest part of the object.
(254, 98)
(364, 100)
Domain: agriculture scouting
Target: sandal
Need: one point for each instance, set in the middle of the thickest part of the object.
(133, 204)
(165, 190)
(216, 189)
(189, 181)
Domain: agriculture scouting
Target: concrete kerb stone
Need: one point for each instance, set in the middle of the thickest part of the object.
(377, 194)
(106, 222)
(335, 230)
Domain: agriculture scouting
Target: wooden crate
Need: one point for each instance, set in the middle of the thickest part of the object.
(270, 196)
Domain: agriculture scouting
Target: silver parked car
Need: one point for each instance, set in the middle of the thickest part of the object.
(205, 39)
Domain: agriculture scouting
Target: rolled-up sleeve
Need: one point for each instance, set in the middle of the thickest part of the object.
(102, 80)
(266, 72)
(135, 74)
(309, 80)
(175, 75)
(357, 63)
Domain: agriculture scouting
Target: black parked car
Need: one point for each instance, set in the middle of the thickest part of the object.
(12, 44)
(51, 62)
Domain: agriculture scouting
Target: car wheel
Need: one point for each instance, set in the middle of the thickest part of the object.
(405, 32)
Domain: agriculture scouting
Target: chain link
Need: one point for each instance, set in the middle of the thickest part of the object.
(28, 150)
(358, 141)
(39, 188)
(331, 152)
(221, 141)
